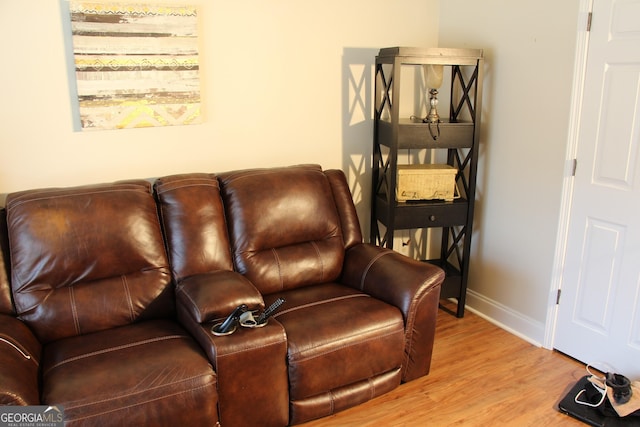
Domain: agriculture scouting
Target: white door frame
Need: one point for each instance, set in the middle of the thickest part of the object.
(577, 91)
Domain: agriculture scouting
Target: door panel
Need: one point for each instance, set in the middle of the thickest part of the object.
(598, 314)
(596, 287)
(617, 142)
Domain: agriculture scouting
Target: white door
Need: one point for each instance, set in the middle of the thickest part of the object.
(598, 318)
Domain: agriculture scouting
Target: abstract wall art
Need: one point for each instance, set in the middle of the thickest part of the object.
(136, 65)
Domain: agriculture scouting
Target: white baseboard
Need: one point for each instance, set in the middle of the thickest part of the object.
(506, 318)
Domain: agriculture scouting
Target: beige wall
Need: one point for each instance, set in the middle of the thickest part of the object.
(289, 81)
(530, 50)
(281, 84)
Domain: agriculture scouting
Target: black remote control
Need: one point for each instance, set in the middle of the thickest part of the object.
(232, 320)
(269, 311)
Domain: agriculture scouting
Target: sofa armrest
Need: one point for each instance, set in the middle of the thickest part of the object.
(240, 358)
(390, 276)
(19, 361)
(212, 296)
(410, 285)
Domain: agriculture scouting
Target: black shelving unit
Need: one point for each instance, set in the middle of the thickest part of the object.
(454, 139)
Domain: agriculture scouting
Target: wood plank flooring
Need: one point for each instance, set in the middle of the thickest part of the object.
(480, 375)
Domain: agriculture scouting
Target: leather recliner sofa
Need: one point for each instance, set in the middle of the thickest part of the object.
(109, 293)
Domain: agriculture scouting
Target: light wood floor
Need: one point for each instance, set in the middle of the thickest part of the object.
(480, 375)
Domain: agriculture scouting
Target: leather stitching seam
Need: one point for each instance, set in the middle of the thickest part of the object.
(312, 304)
(74, 310)
(220, 356)
(315, 247)
(127, 293)
(277, 260)
(112, 349)
(333, 350)
(67, 406)
(365, 272)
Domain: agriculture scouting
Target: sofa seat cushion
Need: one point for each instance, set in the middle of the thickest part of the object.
(337, 336)
(150, 373)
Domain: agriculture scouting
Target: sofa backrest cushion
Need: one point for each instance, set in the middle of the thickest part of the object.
(6, 306)
(284, 228)
(194, 224)
(351, 233)
(88, 258)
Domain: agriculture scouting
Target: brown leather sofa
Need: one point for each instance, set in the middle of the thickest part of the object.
(108, 294)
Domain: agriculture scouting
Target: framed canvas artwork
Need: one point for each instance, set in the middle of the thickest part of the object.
(136, 65)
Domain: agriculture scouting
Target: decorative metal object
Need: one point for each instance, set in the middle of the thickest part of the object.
(433, 75)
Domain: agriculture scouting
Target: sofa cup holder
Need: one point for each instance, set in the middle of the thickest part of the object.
(247, 320)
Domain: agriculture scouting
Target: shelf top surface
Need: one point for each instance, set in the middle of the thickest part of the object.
(431, 55)
(418, 121)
